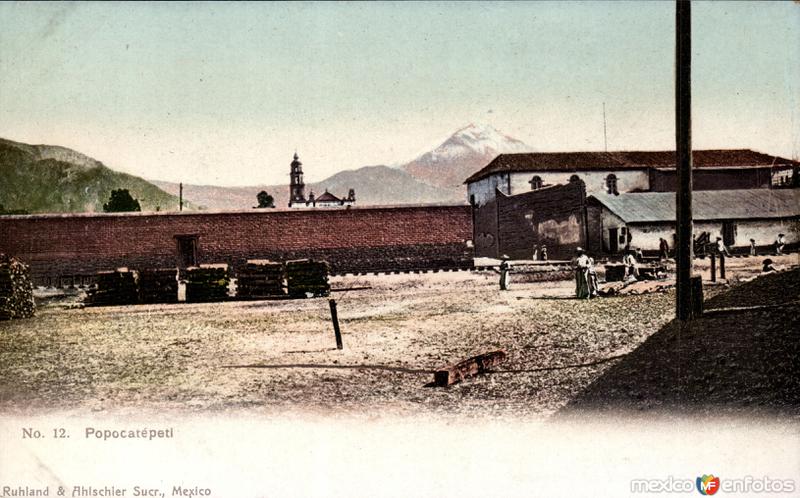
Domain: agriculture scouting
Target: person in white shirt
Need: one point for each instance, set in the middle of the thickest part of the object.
(780, 243)
(631, 268)
(722, 248)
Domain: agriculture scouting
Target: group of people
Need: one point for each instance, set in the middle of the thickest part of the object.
(779, 244)
(586, 285)
(540, 253)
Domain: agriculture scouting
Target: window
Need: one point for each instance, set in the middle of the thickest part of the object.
(574, 178)
(611, 184)
(536, 182)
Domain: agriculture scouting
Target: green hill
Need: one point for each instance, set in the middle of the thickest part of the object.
(51, 179)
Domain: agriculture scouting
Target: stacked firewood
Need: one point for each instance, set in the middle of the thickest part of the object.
(260, 278)
(307, 278)
(116, 287)
(207, 283)
(158, 286)
(16, 289)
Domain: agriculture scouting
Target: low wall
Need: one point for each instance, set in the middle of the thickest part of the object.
(351, 240)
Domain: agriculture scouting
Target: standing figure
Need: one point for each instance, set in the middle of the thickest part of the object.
(780, 243)
(631, 268)
(536, 253)
(663, 248)
(722, 248)
(505, 273)
(752, 247)
(592, 279)
(543, 254)
(582, 265)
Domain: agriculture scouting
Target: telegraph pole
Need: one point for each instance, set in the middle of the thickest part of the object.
(605, 135)
(683, 157)
(180, 196)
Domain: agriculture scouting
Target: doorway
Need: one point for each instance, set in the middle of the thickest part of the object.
(613, 240)
(187, 250)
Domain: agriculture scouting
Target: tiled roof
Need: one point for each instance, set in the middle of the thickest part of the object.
(706, 205)
(327, 197)
(582, 161)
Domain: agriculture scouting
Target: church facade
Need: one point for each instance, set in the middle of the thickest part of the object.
(297, 192)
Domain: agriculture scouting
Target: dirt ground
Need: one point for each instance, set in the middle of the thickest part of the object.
(280, 356)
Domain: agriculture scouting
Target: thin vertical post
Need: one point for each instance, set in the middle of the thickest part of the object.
(180, 195)
(683, 156)
(713, 267)
(722, 266)
(605, 135)
(335, 320)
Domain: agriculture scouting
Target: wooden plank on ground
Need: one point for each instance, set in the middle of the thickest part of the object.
(468, 368)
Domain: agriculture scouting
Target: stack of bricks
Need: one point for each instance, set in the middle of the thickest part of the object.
(260, 278)
(16, 289)
(307, 278)
(113, 288)
(207, 283)
(158, 286)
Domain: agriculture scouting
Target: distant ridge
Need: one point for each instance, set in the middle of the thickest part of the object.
(51, 178)
(436, 176)
(54, 179)
(374, 185)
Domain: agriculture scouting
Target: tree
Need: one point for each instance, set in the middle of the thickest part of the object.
(265, 200)
(3, 210)
(121, 201)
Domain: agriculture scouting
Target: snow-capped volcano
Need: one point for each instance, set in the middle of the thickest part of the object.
(465, 152)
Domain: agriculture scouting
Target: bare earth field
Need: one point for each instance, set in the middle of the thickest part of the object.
(280, 356)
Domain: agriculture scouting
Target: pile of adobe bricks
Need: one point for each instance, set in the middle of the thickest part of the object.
(113, 288)
(16, 289)
(307, 278)
(158, 286)
(207, 283)
(260, 278)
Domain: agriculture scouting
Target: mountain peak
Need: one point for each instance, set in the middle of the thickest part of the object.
(483, 139)
(464, 152)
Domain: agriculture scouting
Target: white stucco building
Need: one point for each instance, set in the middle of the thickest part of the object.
(627, 171)
(735, 215)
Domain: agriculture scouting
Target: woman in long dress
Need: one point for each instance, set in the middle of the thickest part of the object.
(582, 265)
(505, 273)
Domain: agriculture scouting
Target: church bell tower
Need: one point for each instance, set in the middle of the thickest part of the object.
(297, 188)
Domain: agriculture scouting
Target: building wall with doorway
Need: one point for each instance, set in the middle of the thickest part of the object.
(734, 215)
(764, 232)
(352, 240)
(517, 225)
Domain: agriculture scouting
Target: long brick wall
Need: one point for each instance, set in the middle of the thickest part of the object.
(352, 240)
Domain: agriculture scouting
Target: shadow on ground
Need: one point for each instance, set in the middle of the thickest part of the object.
(741, 357)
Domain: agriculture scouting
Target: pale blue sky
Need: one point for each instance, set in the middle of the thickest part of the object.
(223, 93)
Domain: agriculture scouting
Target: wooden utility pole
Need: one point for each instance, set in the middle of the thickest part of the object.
(683, 153)
(180, 195)
(335, 320)
(605, 135)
